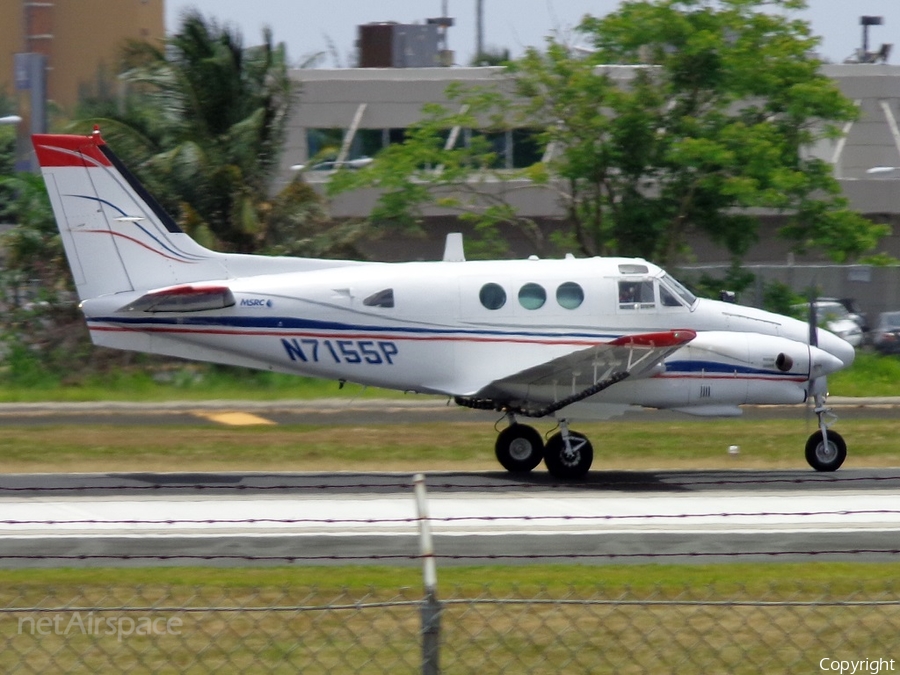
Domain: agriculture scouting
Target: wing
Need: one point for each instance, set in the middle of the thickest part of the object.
(183, 298)
(568, 379)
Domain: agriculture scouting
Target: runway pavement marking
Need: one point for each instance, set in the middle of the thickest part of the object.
(452, 515)
(235, 419)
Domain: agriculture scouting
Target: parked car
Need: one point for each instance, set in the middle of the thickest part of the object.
(857, 315)
(834, 317)
(886, 337)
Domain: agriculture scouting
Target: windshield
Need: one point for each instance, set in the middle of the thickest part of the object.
(679, 290)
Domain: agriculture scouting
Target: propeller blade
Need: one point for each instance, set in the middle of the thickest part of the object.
(811, 318)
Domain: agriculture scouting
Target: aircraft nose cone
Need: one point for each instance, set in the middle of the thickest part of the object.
(822, 363)
(833, 354)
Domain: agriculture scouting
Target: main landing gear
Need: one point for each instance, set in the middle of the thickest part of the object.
(567, 454)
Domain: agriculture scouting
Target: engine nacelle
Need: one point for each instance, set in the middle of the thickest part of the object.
(719, 369)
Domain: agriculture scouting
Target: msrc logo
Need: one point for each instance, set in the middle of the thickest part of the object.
(255, 302)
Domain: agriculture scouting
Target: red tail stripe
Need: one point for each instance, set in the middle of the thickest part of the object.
(54, 150)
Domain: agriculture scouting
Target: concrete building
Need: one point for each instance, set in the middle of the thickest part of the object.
(357, 111)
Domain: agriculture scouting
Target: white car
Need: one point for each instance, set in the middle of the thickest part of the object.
(834, 317)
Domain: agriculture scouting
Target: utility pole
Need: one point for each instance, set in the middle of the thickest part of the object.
(479, 29)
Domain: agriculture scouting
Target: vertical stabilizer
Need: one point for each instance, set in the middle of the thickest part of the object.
(117, 238)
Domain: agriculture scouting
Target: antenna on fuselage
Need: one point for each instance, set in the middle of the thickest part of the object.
(453, 248)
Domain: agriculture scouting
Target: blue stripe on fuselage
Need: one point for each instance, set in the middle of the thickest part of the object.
(290, 323)
(719, 368)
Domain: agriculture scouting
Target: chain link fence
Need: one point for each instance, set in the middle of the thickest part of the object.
(177, 629)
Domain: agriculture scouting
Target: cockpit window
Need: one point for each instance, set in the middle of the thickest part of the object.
(383, 298)
(688, 297)
(636, 294)
(667, 298)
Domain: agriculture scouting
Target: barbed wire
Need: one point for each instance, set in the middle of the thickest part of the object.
(448, 556)
(449, 519)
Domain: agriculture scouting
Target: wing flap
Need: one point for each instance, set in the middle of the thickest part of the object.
(580, 374)
(183, 298)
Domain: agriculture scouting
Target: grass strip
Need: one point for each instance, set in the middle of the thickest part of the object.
(774, 580)
(463, 446)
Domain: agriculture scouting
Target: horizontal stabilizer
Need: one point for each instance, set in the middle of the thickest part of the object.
(182, 298)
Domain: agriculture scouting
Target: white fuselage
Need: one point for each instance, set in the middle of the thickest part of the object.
(440, 327)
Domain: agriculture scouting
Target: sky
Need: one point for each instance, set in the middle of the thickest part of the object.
(329, 28)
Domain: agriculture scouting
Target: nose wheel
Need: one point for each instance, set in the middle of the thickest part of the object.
(825, 450)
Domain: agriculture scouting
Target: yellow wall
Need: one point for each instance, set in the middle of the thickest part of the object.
(11, 27)
(86, 34)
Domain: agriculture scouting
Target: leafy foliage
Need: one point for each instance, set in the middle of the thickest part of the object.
(458, 171)
(203, 124)
(689, 117)
(7, 157)
(42, 333)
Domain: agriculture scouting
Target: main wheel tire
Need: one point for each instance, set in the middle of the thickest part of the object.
(826, 456)
(571, 462)
(519, 448)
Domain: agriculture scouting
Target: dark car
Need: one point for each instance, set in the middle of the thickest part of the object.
(886, 336)
(856, 314)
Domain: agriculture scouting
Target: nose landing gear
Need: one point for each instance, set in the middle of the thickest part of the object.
(825, 450)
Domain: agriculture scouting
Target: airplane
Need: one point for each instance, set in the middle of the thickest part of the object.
(566, 339)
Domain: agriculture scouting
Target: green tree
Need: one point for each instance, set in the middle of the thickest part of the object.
(734, 102)
(451, 160)
(686, 117)
(7, 156)
(33, 249)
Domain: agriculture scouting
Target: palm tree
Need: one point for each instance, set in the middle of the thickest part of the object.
(203, 123)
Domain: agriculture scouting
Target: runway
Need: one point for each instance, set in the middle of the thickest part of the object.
(477, 518)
